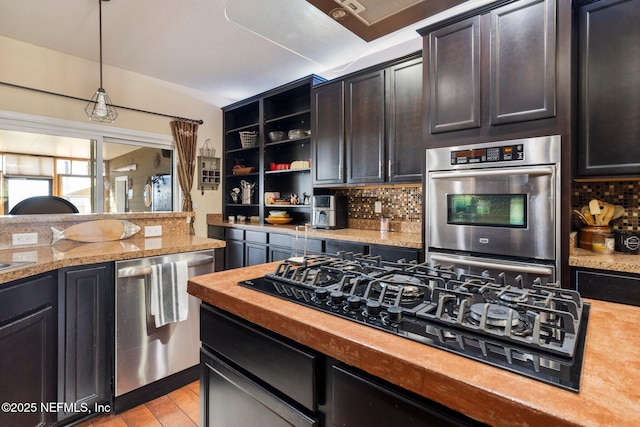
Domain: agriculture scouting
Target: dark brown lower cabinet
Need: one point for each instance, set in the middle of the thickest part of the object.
(28, 349)
(85, 338)
(612, 286)
(252, 376)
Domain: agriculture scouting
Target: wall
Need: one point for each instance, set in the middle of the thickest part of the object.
(35, 67)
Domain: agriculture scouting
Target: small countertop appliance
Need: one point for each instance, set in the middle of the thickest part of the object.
(329, 212)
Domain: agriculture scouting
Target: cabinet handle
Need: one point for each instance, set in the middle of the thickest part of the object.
(380, 173)
(390, 165)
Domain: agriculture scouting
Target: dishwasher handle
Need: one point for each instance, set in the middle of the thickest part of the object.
(124, 273)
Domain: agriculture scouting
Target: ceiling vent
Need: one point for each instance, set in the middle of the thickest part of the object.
(371, 12)
(371, 19)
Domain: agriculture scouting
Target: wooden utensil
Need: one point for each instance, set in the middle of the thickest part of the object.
(584, 220)
(618, 211)
(607, 213)
(586, 213)
(594, 208)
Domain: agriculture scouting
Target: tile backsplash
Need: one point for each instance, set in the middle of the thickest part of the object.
(624, 193)
(402, 204)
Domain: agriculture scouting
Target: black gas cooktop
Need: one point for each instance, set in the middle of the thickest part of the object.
(530, 329)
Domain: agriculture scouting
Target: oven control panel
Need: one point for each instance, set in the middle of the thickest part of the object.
(503, 153)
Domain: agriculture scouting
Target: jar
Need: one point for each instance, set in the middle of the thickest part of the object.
(603, 243)
(384, 224)
(585, 237)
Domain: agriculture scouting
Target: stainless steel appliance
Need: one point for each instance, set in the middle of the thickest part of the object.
(527, 328)
(494, 207)
(145, 353)
(329, 212)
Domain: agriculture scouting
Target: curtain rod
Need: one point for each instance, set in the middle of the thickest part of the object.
(113, 105)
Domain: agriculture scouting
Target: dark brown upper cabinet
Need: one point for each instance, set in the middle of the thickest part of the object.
(489, 71)
(609, 84)
(523, 61)
(454, 58)
(368, 126)
(328, 151)
(404, 122)
(364, 126)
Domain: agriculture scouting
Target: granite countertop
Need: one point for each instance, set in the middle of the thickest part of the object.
(589, 259)
(609, 394)
(392, 238)
(67, 253)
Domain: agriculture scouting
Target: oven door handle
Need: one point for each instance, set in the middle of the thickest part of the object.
(544, 271)
(537, 170)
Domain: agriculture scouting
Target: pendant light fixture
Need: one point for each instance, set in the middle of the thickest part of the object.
(100, 107)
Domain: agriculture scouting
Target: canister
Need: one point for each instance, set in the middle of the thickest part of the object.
(627, 242)
(587, 232)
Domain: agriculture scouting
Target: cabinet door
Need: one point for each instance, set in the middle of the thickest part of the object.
(279, 254)
(523, 61)
(327, 122)
(255, 254)
(454, 76)
(404, 122)
(235, 254)
(85, 336)
(364, 128)
(363, 401)
(609, 111)
(28, 349)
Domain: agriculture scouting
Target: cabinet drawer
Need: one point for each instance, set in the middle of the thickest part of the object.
(288, 369)
(335, 246)
(394, 253)
(283, 240)
(228, 392)
(255, 237)
(608, 286)
(234, 233)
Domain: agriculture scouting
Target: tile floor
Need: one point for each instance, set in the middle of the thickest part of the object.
(180, 408)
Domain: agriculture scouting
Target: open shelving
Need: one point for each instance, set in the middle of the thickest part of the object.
(282, 109)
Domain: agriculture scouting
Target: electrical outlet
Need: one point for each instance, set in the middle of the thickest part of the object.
(18, 239)
(31, 256)
(377, 207)
(152, 230)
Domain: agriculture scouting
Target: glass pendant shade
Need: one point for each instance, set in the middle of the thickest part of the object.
(100, 108)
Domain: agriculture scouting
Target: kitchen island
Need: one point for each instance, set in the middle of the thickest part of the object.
(611, 371)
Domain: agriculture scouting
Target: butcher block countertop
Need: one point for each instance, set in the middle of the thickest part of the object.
(67, 253)
(610, 386)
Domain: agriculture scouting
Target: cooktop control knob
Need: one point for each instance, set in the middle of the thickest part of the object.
(337, 297)
(395, 314)
(373, 308)
(354, 302)
(321, 294)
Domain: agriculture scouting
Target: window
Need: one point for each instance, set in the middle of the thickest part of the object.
(83, 170)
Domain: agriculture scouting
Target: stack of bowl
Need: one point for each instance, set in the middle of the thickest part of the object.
(278, 217)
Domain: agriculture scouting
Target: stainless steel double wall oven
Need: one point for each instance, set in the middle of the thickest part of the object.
(493, 208)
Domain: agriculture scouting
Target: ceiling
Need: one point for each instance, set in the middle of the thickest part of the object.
(226, 49)
(194, 43)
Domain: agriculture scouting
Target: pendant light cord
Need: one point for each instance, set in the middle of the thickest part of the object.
(100, 28)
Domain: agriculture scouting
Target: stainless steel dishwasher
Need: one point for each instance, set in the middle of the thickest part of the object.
(144, 353)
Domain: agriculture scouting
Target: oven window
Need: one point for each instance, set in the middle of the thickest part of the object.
(498, 210)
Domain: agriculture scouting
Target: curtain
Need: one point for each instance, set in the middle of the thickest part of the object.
(186, 135)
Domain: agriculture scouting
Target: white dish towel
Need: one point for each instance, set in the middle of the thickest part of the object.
(169, 298)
